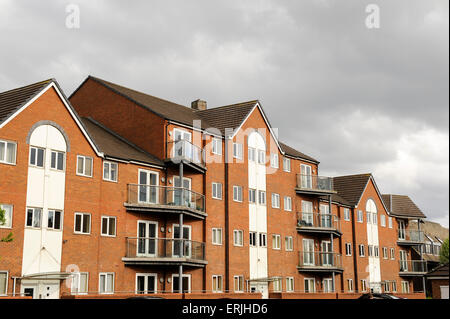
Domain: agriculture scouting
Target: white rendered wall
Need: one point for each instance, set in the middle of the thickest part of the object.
(372, 239)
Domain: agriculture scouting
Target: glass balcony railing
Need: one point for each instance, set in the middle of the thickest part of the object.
(185, 150)
(309, 220)
(315, 183)
(413, 266)
(319, 259)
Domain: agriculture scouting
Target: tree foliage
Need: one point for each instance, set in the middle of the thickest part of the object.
(8, 237)
(444, 252)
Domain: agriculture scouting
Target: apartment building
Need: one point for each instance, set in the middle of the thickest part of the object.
(115, 191)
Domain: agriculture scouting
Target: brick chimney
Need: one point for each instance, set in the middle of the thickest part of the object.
(198, 105)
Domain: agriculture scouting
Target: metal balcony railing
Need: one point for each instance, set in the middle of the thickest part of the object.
(147, 247)
(185, 150)
(413, 266)
(317, 220)
(411, 235)
(319, 259)
(315, 183)
(151, 195)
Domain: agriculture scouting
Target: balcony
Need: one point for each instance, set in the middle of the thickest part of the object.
(411, 268)
(165, 199)
(319, 262)
(314, 184)
(410, 237)
(164, 251)
(318, 223)
(186, 152)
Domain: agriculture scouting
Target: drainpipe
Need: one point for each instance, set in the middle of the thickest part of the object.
(355, 257)
(180, 269)
(421, 248)
(331, 237)
(227, 221)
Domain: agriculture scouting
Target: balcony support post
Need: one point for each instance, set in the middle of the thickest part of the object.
(180, 279)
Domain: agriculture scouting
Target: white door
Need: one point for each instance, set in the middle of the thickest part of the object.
(327, 254)
(327, 285)
(49, 291)
(306, 178)
(307, 213)
(444, 292)
(178, 244)
(186, 198)
(182, 149)
(147, 239)
(148, 187)
(325, 216)
(403, 261)
(308, 252)
(145, 283)
(401, 230)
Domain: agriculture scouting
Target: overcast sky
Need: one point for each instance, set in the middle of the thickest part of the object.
(358, 99)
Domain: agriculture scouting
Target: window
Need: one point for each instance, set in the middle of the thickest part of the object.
(80, 283)
(34, 217)
(363, 285)
(36, 157)
(383, 220)
(310, 285)
(275, 200)
(346, 214)
(147, 283)
(238, 237)
(274, 160)
(348, 249)
(108, 226)
(385, 253)
(57, 160)
(350, 285)
(286, 164)
(360, 216)
(276, 241)
(376, 251)
(216, 146)
(237, 150)
(82, 223)
(217, 190)
(110, 171)
(262, 240)
(368, 217)
(262, 197)
(217, 283)
(370, 250)
(390, 222)
(277, 285)
(405, 287)
(392, 253)
(290, 284)
(289, 243)
(386, 286)
(374, 218)
(3, 282)
(261, 157)
(84, 165)
(238, 283)
(361, 250)
(55, 218)
(237, 193)
(394, 286)
(251, 154)
(252, 196)
(106, 283)
(252, 239)
(217, 236)
(287, 203)
(8, 209)
(8, 152)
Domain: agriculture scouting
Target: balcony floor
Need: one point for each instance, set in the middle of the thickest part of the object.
(319, 269)
(310, 191)
(199, 168)
(163, 261)
(409, 243)
(411, 274)
(171, 209)
(318, 230)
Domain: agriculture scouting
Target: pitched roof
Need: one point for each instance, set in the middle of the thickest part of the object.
(13, 100)
(402, 205)
(113, 145)
(293, 152)
(351, 187)
(441, 270)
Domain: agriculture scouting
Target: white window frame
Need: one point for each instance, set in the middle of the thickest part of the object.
(274, 160)
(261, 157)
(252, 196)
(184, 276)
(289, 243)
(385, 253)
(279, 284)
(146, 290)
(363, 285)
(405, 284)
(105, 275)
(288, 203)
(375, 218)
(9, 218)
(76, 278)
(238, 238)
(84, 166)
(251, 154)
(238, 150)
(33, 217)
(216, 147)
(311, 284)
(370, 250)
(383, 220)
(362, 250)
(290, 284)
(216, 279)
(350, 285)
(216, 239)
(376, 251)
(240, 283)
(61, 217)
(262, 197)
(36, 156)
(5, 272)
(360, 216)
(237, 194)
(108, 225)
(394, 286)
(286, 164)
(56, 160)
(81, 226)
(347, 214)
(276, 241)
(262, 240)
(368, 218)
(3, 160)
(215, 190)
(276, 202)
(392, 253)
(348, 249)
(390, 222)
(253, 238)
(110, 164)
